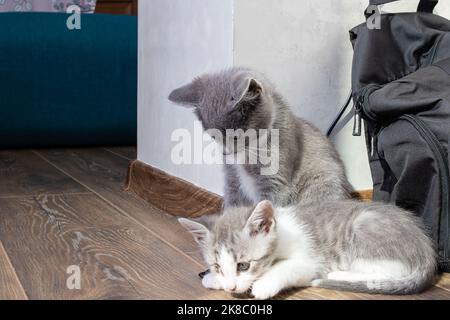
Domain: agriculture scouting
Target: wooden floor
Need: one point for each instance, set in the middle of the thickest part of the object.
(61, 208)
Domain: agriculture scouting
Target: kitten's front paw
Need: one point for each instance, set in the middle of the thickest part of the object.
(210, 281)
(264, 289)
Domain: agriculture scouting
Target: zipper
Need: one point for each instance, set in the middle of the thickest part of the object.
(442, 161)
(433, 53)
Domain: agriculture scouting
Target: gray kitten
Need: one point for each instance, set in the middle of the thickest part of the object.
(309, 168)
(344, 245)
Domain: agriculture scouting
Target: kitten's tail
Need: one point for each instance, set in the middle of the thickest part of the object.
(419, 280)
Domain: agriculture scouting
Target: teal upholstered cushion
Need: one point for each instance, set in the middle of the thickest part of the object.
(61, 87)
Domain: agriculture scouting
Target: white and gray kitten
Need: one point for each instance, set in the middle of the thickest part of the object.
(343, 245)
(309, 168)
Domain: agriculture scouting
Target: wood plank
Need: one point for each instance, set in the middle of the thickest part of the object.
(11, 288)
(129, 153)
(171, 194)
(105, 174)
(444, 281)
(364, 195)
(117, 257)
(123, 7)
(23, 173)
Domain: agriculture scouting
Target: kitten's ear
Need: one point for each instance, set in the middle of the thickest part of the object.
(254, 88)
(248, 89)
(188, 95)
(261, 219)
(198, 230)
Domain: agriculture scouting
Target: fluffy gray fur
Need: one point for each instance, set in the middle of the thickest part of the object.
(314, 241)
(309, 166)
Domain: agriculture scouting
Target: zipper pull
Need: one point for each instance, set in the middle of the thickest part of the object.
(357, 117)
(372, 146)
(357, 124)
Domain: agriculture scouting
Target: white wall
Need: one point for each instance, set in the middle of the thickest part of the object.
(178, 39)
(303, 46)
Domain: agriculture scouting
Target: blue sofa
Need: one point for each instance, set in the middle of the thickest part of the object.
(61, 87)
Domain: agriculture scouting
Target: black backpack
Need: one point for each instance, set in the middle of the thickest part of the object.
(401, 89)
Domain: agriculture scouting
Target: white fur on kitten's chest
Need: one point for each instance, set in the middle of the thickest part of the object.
(247, 184)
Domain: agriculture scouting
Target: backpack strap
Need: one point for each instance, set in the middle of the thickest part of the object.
(424, 5)
(340, 114)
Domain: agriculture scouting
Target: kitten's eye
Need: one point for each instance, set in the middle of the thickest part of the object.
(243, 266)
(216, 268)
